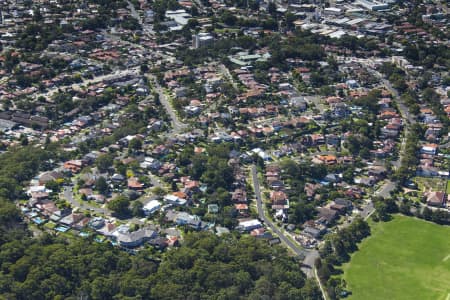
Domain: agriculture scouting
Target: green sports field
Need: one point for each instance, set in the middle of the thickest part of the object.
(405, 258)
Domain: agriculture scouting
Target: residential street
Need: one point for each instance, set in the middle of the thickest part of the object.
(177, 125)
(267, 221)
(68, 195)
(367, 210)
(310, 255)
(50, 92)
(408, 119)
(385, 190)
(224, 70)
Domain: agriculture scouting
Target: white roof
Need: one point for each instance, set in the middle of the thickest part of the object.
(249, 223)
(37, 188)
(429, 148)
(171, 197)
(333, 9)
(151, 205)
(356, 21)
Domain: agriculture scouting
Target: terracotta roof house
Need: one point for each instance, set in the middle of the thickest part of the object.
(73, 165)
(134, 184)
(436, 199)
(326, 159)
(279, 200)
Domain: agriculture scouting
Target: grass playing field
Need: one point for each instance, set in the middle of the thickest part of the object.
(405, 258)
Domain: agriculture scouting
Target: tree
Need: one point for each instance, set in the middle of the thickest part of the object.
(405, 208)
(326, 249)
(119, 205)
(440, 217)
(348, 175)
(272, 8)
(144, 68)
(121, 168)
(23, 140)
(228, 18)
(136, 209)
(381, 210)
(135, 144)
(101, 185)
(301, 212)
(427, 213)
(104, 162)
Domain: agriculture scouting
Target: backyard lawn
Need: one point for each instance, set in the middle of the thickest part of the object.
(405, 258)
(430, 183)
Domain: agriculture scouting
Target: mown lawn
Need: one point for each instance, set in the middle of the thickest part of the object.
(405, 258)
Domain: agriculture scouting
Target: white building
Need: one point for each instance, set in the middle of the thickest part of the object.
(202, 39)
(372, 5)
(249, 225)
(151, 207)
(172, 199)
(332, 11)
(180, 16)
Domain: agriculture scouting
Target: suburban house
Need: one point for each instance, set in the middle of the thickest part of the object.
(326, 215)
(71, 219)
(151, 207)
(50, 176)
(429, 149)
(279, 200)
(73, 166)
(436, 199)
(249, 225)
(134, 184)
(341, 205)
(135, 238)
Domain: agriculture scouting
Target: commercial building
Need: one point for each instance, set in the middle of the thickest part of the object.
(202, 39)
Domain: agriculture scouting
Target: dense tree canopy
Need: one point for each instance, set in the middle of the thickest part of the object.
(120, 205)
(206, 267)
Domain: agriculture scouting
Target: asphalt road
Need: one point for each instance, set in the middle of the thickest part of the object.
(84, 205)
(408, 119)
(385, 190)
(224, 70)
(177, 125)
(68, 195)
(134, 13)
(50, 92)
(310, 255)
(367, 210)
(266, 220)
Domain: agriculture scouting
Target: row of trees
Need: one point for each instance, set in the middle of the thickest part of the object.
(438, 216)
(335, 251)
(409, 159)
